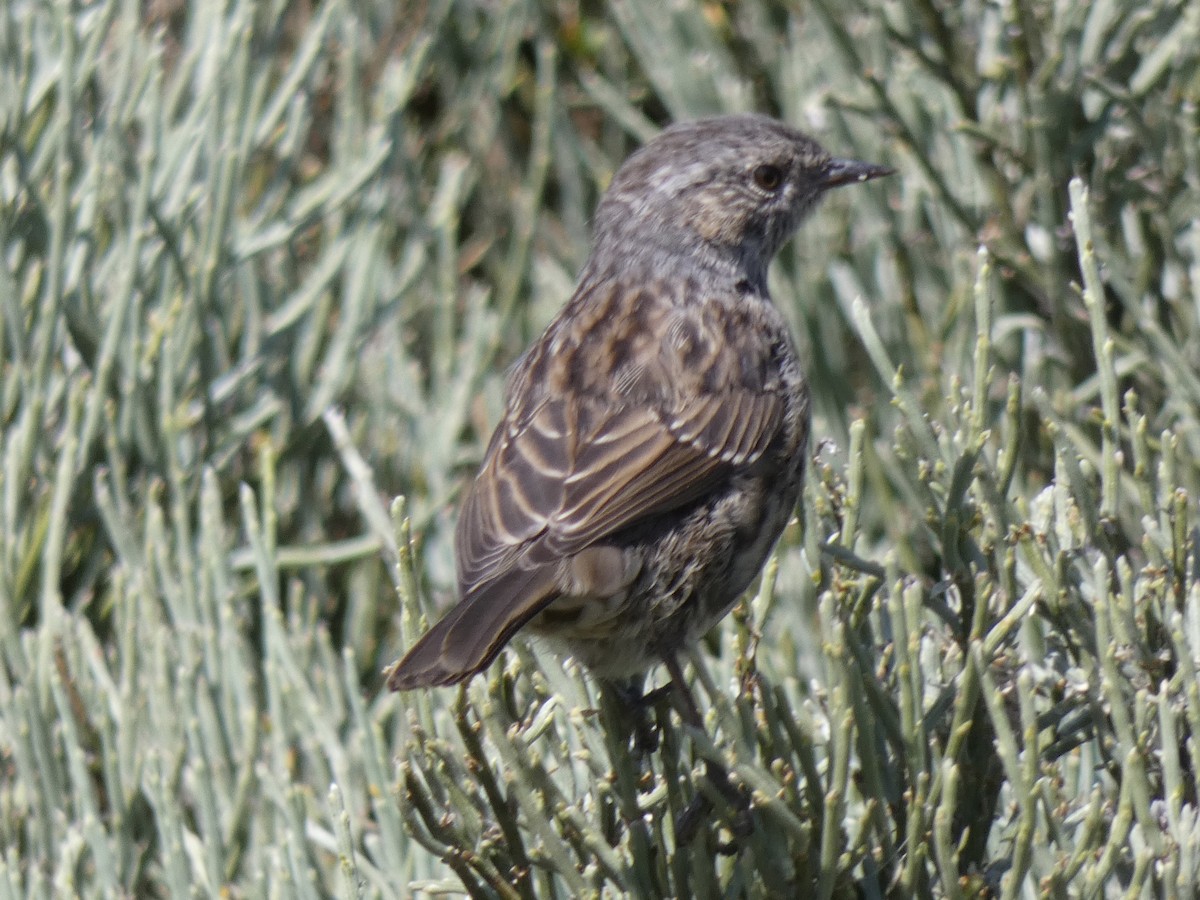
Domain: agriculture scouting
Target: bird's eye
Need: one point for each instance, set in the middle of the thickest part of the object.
(768, 177)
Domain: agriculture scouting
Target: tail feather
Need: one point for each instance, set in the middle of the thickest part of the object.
(474, 632)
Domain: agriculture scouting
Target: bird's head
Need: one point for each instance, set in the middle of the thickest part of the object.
(732, 187)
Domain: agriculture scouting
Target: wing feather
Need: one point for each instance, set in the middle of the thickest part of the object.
(633, 466)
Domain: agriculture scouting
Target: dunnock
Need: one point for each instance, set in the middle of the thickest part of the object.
(655, 436)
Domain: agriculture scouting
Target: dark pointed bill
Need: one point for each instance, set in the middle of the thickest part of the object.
(851, 171)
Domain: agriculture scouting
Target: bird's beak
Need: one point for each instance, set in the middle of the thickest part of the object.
(851, 171)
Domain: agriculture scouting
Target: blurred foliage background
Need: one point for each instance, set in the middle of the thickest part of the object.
(264, 267)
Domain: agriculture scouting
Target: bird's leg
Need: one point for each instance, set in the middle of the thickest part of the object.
(633, 708)
(717, 775)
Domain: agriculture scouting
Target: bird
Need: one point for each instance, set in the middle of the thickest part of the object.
(654, 438)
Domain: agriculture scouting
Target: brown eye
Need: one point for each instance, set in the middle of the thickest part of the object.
(768, 177)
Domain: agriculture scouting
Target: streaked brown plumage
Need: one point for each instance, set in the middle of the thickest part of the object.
(655, 436)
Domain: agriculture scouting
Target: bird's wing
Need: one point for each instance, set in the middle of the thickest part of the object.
(642, 414)
(573, 475)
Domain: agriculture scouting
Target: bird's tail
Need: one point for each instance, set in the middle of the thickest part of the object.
(471, 635)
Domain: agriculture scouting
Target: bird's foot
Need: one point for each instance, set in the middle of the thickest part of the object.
(736, 803)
